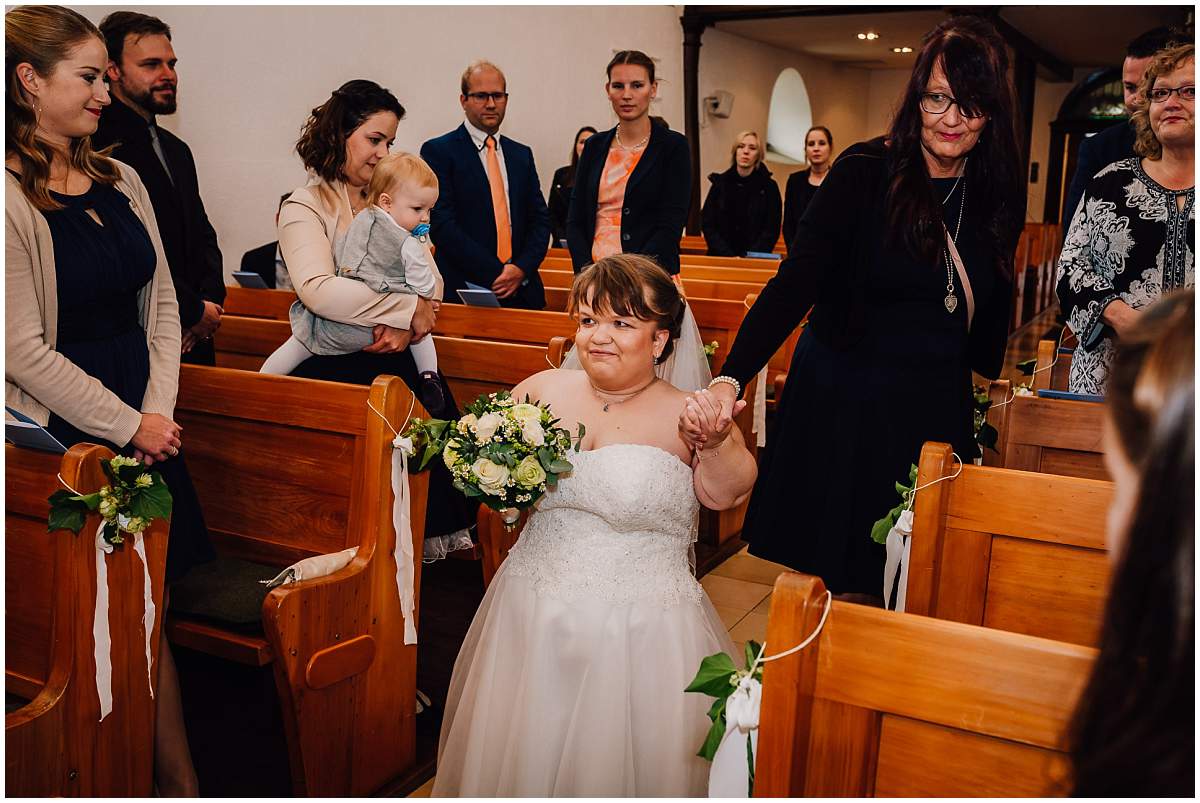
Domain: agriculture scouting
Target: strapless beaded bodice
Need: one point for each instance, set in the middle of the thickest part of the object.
(618, 528)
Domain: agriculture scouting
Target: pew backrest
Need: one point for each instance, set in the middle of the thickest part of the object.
(249, 302)
(1053, 368)
(1011, 550)
(57, 744)
(286, 468)
(886, 704)
(1051, 436)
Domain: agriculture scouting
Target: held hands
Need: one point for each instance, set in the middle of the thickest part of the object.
(1121, 316)
(509, 281)
(156, 439)
(707, 417)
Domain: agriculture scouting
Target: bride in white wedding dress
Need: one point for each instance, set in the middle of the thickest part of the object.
(570, 680)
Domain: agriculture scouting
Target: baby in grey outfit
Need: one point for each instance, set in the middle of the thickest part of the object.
(385, 247)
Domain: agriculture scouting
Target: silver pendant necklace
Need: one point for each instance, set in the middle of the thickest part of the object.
(951, 300)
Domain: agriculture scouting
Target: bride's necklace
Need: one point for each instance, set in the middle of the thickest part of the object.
(635, 147)
(607, 402)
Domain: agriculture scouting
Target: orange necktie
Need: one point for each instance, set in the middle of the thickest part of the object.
(499, 204)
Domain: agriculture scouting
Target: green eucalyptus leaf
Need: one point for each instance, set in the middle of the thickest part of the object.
(560, 467)
(712, 678)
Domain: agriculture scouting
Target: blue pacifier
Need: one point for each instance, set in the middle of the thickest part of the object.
(421, 230)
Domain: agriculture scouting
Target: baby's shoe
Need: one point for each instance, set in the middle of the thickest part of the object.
(433, 398)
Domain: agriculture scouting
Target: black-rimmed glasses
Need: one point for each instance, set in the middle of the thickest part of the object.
(940, 103)
(1161, 93)
(484, 97)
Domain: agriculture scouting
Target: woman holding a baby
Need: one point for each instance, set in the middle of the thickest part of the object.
(361, 309)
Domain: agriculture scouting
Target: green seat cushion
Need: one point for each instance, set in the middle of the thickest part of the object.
(226, 590)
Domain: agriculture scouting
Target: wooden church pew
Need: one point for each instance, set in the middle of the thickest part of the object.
(884, 704)
(1011, 550)
(1051, 436)
(285, 469)
(56, 745)
(1053, 369)
(759, 271)
(703, 288)
(249, 302)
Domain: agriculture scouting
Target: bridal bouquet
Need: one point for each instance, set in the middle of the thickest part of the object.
(504, 453)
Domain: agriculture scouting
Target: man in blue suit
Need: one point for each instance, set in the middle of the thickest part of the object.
(490, 225)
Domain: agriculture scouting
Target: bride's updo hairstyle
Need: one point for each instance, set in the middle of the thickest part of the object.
(633, 285)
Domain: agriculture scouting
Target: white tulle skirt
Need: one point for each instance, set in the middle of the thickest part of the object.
(556, 698)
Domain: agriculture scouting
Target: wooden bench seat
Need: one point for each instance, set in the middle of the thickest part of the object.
(759, 272)
(56, 745)
(729, 290)
(285, 469)
(1012, 550)
(885, 704)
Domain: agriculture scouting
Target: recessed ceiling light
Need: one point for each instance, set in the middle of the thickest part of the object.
(868, 35)
(862, 36)
(902, 49)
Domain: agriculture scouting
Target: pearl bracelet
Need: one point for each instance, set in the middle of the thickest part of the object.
(727, 380)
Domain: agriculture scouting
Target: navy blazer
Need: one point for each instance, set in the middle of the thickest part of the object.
(463, 222)
(1096, 153)
(657, 198)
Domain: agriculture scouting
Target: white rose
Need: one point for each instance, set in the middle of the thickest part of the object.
(466, 422)
(529, 473)
(486, 427)
(524, 413)
(491, 477)
(533, 434)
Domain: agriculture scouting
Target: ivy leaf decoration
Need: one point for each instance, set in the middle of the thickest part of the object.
(713, 676)
(1027, 367)
(715, 734)
(987, 437)
(153, 502)
(67, 512)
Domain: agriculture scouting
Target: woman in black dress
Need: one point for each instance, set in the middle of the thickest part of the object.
(802, 185)
(894, 332)
(561, 186)
(741, 212)
(340, 144)
(92, 324)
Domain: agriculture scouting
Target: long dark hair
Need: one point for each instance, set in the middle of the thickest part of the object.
(575, 154)
(1133, 732)
(42, 36)
(975, 60)
(322, 144)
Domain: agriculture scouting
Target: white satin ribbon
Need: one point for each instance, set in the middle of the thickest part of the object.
(101, 639)
(899, 547)
(139, 546)
(760, 408)
(402, 522)
(729, 775)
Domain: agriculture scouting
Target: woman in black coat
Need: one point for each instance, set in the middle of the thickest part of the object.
(741, 212)
(802, 185)
(633, 183)
(561, 186)
(894, 332)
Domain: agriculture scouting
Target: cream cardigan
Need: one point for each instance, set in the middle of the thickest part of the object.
(310, 222)
(37, 379)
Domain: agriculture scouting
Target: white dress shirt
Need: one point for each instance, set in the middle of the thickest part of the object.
(480, 140)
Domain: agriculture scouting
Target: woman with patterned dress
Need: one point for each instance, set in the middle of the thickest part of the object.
(1133, 236)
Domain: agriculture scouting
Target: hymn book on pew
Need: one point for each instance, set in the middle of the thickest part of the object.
(21, 430)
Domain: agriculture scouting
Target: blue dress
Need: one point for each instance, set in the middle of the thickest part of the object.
(101, 268)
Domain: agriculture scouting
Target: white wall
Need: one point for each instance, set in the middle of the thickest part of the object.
(248, 76)
(1046, 100)
(748, 69)
(884, 95)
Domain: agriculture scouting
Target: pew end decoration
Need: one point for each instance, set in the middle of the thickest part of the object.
(502, 453)
(127, 506)
(133, 499)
